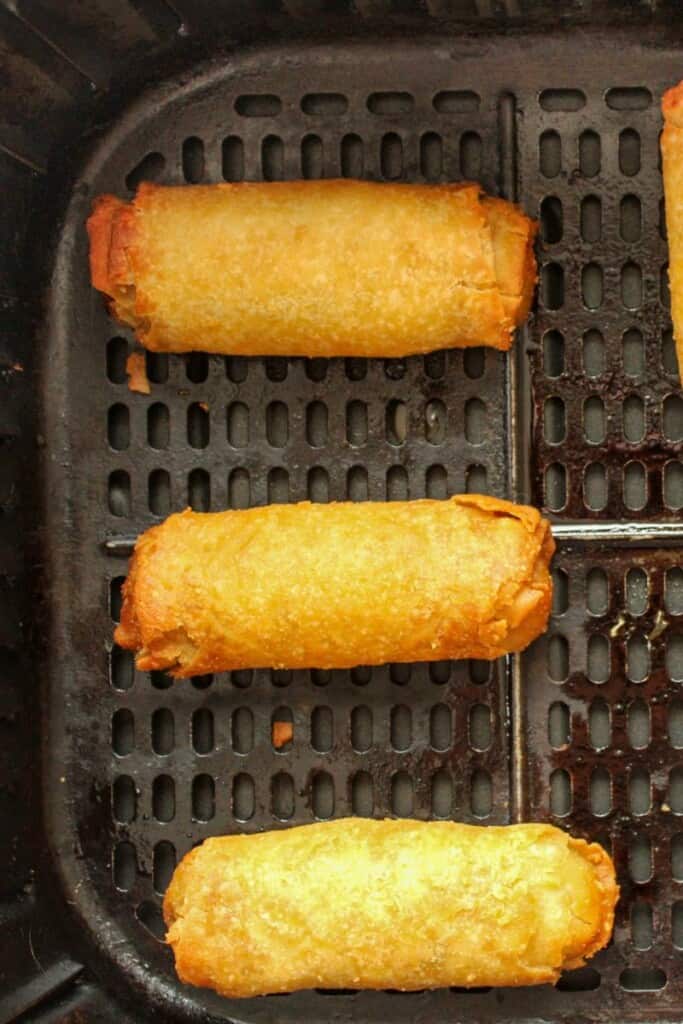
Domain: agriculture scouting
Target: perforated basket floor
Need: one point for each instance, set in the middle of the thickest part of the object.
(585, 420)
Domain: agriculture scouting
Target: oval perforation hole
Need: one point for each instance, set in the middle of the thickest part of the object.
(243, 798)
(639, 792)
(640, 859)
(642, 979)
(316, 424)
(599, 724)
(158, 426)
(402, 796)
(470, 156)
(239, 489)
(669, 360)
(322, 729)
(312, 157)
(150, 168)
(164, 866)
(272, 158)
(558, 658)
(598, 667)
(116, 597)
(242, 730)
(554, 425)
(555, 486)
(673, 591)
(600, 792)
(456, 102)
(562, 99)
(282, 796)
(357, 488)
(396, 422)
(436, 421)
(125, 866)
(202, 731)
(117, 354)
(362, 799)
(630, 218)
(391, 156)
(121, 669)
(553, 353)
(635, 486)
(198, 428)
(673, 484)
(124, 799)
(642, 933)
(631, 285)
(593, 353)
(595, 487)
(163, 798)
(352, 161)
(550, 154)
(322, 795)
(118, 491)
(232, 156)
(560, 591)
(361, 729)
(551, 220)
(238, 425)
(629, 152)
(674, 658)
(149, 915)
(442, 794)
(440, 727)
(481, 793)
(638, 724)
(163, 731)
(431, 156)
(594, 423)
(591, 219)
(560, 793)
(590, 155)
(199, 490)
(628, 98)
(637, 658)
(390, 102)
(159, 493)
(672, 418)
(123, 732)
(203, 798)
(552, 286)
(193, 160)
(559, 725)
(637, 596)
(480, 733)
(401, 731)
(118, 427)
(397, 488)
(263, 105)
(318, 484)
(324, 104)
(597, 591)
(634, 352)
(592, 286)
(436, 482)
(277, 424)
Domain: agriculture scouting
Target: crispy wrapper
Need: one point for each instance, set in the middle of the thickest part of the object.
(314, 268)
(672, 171)
(399, 904)
(337, 585)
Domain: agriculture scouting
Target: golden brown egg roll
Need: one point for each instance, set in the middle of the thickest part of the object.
(394, 904)
(314, 268)
(338, 585)
(672, 170)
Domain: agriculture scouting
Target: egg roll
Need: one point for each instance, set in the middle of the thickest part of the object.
(398, 904)
(337, 585)
(314, 268)
(672, 171)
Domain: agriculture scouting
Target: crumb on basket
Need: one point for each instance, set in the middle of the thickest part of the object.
(283, 732)
(137, 373)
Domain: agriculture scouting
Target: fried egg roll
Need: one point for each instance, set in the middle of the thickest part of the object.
(314, 268)
(672, 171)
(394, 904)
(337, 585)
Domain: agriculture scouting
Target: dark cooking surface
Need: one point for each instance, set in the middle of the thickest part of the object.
(138, 769)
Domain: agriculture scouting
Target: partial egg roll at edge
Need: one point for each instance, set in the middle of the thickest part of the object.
(398, 904)
(672, 172)
(337, 585)
(314, 268)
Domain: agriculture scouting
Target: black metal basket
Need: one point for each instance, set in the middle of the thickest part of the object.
(108, 776)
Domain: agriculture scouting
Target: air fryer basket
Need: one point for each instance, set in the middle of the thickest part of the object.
(109, 776)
